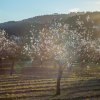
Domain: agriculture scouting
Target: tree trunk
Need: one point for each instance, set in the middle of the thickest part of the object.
(12, 68)
(60, 71)
(0, 62)
(41, 63)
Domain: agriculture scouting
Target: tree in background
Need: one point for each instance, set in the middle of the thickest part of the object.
(9, 50)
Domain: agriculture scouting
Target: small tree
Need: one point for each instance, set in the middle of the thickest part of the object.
(8, 49)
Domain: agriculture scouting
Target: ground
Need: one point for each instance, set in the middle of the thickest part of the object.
(76, 86)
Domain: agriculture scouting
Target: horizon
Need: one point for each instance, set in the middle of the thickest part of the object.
(14, 10)
(46, 15)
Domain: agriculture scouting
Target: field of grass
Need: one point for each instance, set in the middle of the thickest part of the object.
(20, 87)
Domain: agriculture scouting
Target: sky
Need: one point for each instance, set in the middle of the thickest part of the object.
(15, 10)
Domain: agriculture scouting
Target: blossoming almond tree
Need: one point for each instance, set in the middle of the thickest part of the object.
(56, 43)
(65, 46)
(8, 49)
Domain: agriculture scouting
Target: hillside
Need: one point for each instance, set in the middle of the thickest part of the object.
(23, 27)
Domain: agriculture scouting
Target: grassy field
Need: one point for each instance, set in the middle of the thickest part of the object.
(74, 87)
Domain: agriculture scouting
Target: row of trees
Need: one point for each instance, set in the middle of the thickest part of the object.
(59, 43)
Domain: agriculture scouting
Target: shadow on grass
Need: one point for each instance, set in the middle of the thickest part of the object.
(85, 90)
(82, 90)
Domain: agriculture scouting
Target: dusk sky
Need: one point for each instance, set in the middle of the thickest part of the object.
(13, 10)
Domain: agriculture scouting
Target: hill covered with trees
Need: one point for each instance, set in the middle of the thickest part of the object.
(26, 34)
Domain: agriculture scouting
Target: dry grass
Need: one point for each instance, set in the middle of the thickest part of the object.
(19, 87)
